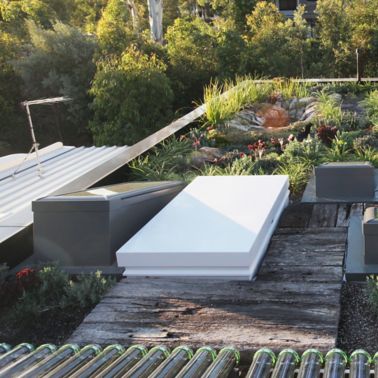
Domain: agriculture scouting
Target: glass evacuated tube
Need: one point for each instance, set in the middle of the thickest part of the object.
(4, 348)
(149, 363)
(51, 362)
(66, 369)
(124, 363)
(197, 366)
(27, 361)
(287, 361)
(174, 363)
(360, 361)
(15, 353)
(108, 355)
(262, 364)
(311, 363)
(335, 364)
(227, 359)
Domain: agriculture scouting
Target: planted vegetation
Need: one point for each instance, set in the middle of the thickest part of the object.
(336, 123)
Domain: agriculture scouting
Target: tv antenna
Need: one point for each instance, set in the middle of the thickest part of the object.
(35, 144)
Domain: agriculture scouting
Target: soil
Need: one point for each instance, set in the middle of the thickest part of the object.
(358, 321)
(52, 327)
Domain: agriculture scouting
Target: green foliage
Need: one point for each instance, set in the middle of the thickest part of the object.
(291, 88)
(309, 152)
(372, 292)
(298, 172)
(339, 150)
(132, 98)
(192, 58)
(59, 63)
(167, 161)
(329, 109)
(53, 290)
(222, 101)
(370, 105)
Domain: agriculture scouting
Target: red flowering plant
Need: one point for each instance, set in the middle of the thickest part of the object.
(258, 148)
(27, 279)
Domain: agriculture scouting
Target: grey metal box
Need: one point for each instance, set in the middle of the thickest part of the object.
(86, 228)
(370, 230)
(345, 180)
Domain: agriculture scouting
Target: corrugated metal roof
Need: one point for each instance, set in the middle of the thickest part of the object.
(159, 362)
(65, 169)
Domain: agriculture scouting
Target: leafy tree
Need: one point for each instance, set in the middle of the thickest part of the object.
(334, 33)
(10, 96)
(59, 62)
(132, 98)
(192, 58)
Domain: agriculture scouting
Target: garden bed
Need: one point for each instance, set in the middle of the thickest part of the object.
(45, 305)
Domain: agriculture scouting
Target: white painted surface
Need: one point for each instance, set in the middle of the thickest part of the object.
(217, 226)
(61, 167)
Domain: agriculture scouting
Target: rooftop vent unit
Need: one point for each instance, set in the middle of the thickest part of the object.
(346, 180)
(86, 228)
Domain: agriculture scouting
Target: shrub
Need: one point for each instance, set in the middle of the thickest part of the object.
(50, 289)
(339, 150)
(370, 104)
(326, 134)
(309, 151)
(132, 98)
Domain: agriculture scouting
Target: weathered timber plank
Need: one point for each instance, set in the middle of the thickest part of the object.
(343, 216)
(323, 216)
(310, 231)
(296, 216)
(215, 290)
(246, 337)
(307, 273)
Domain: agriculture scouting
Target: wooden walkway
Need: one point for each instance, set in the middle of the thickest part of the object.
(295, 301)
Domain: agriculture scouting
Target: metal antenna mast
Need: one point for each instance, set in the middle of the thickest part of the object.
(35, 144)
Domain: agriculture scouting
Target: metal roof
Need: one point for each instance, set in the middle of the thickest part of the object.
(65, 169)
(159, 362)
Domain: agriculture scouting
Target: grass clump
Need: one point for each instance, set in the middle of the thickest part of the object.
(370, 105)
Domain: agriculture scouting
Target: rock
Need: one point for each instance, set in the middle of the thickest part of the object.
(306, 101)
(336, 97)
(246, 120)
(309, 113)
(205, 155)
(274, 116)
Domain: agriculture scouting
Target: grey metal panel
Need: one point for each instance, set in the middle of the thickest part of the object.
(66, 231)
(309, 195)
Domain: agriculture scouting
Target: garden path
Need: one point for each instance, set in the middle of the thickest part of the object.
(295, 301)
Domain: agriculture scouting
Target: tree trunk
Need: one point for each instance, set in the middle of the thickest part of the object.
(155, 10)
(134, 15)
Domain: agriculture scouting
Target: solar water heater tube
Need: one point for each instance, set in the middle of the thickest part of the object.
(15, 354)
(23, 363)
(262, 364)
(335, 364)
(311, 363)
(51, 362)
(287, 361)
(227, 359)
(197, 366)
(124, 363)
(149, 363)
(75, 362)
(360, 362)
(174, 363)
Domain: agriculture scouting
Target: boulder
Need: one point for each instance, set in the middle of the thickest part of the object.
(205, 155)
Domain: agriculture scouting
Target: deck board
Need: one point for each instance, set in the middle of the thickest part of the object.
(295, 301)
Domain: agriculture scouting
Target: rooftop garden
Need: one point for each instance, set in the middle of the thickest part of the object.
(279, 127)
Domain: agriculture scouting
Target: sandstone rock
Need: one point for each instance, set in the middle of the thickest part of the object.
(205, 155)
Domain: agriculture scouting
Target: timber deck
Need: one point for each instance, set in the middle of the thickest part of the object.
(295, 301)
